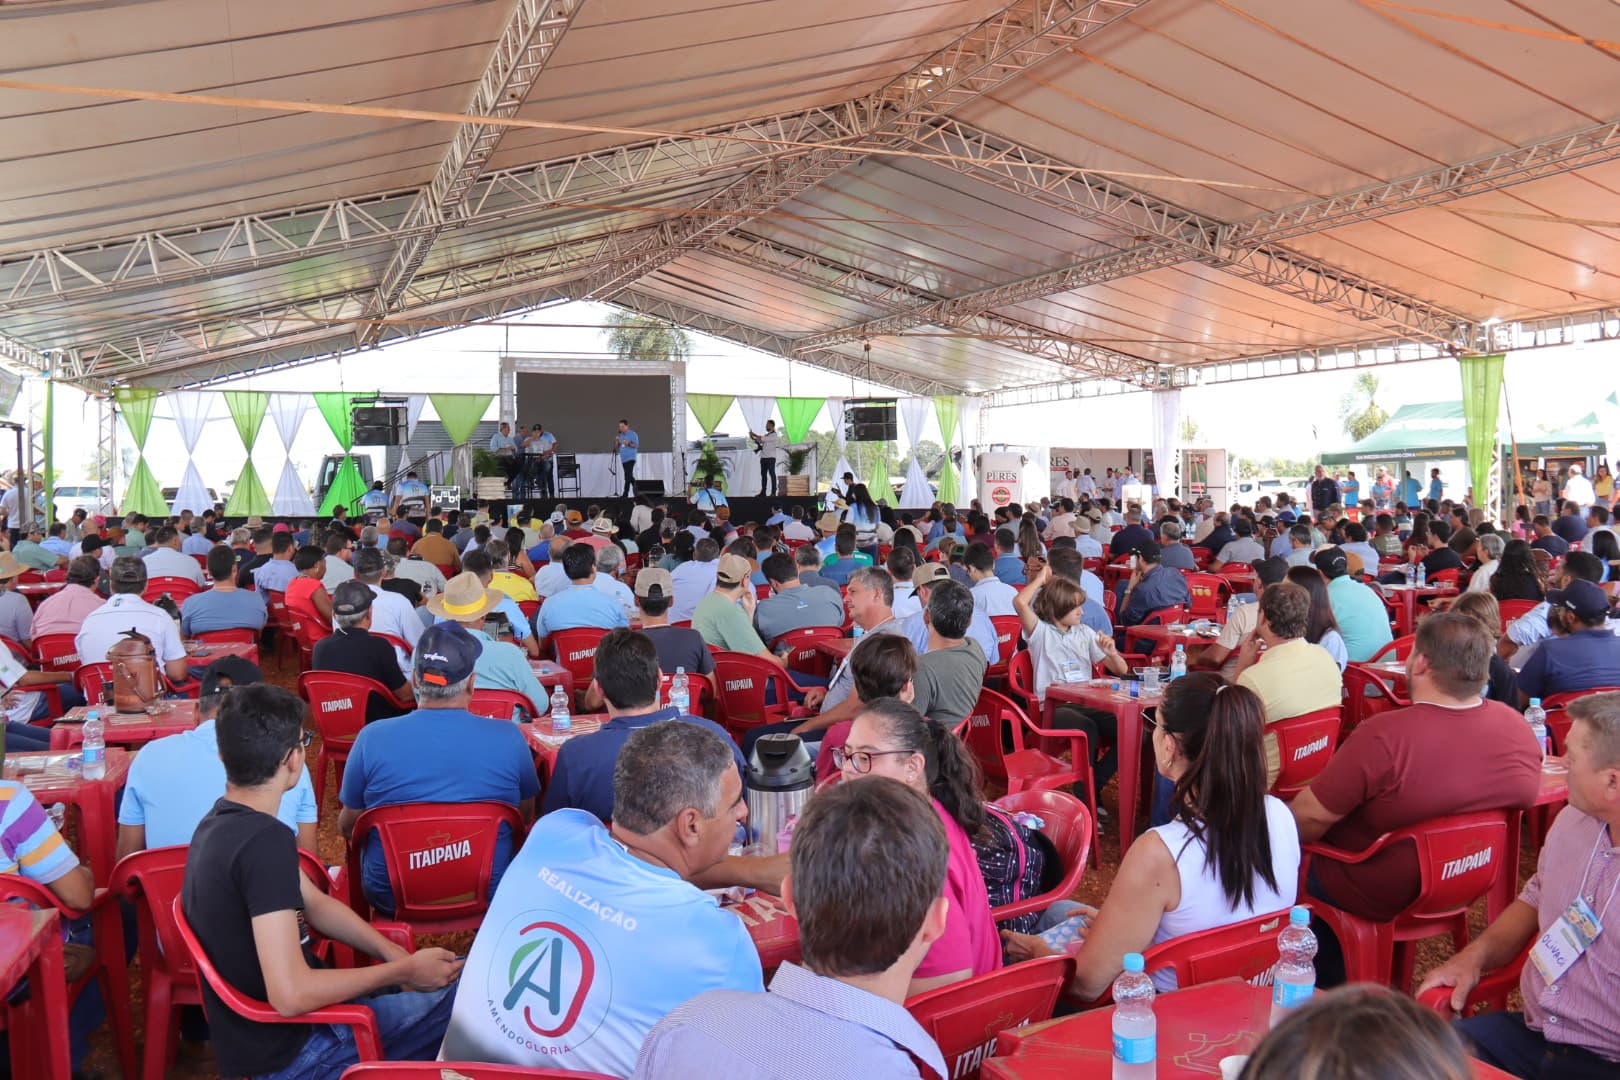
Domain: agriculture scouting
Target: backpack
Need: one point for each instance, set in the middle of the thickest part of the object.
(1017, 862)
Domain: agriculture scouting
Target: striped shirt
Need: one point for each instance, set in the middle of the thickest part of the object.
(1578, 1010)
(818, 1028)
(29, 842)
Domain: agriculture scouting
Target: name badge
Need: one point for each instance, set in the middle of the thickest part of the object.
(1565, 940)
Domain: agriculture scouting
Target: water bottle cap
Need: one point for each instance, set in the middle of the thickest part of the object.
(1300, 916)
(1535, 702)
(680, 671)
(1134, 962)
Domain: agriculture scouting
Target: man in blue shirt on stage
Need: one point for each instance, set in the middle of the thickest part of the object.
(628, 443)
(596, 933)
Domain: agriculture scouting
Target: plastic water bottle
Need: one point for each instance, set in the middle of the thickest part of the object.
(560, 720)
(1231, 606)
(1422, 576)
(1296, 974)
(1178, 663)
(1537, 718)
(95, 746)
(1411, 573)
(680, 692)
(1136, 1032)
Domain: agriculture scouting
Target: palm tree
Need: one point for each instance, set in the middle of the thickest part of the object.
(1359, 409)
(641, 337)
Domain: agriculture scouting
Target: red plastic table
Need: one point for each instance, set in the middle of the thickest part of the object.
(1169, 636)
(835, 649)
(1242, 580)
(46, 776)
(1197, 1027)
(31, 947)
(545, 742)
(1098, 694)
(1408, 595)
(775, 932)
(37, 591)
(127, 729)
(552, 675)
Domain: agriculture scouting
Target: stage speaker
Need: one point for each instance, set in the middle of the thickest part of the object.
(653, 488)
(378, 425)
(871, 420)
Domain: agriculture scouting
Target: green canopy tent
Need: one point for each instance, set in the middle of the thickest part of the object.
(1437, 431)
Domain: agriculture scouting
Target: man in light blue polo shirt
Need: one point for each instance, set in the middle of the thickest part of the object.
(1363, 620)
(596, 933)
(629, 443)
(174, 781)
(582, 603)
(501, 665)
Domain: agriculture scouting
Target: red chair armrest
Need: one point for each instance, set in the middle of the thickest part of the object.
(1499, 983)
(398, 933)
(1328, 851)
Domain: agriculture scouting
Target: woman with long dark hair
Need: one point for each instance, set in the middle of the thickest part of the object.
(1517, 576)
(521, 563)
(1229, 852)
(1323, 628)
(863, 513)
(1420, 537)
(1607, 548)
(1029, 538)
(890, 738)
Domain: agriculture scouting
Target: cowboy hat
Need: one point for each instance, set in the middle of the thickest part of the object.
(465, 599)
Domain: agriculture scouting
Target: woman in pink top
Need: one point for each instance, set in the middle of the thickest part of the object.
(890, 738)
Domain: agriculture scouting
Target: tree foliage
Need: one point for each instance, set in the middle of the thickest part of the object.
(640, 337)
(1188, 431)
(1359, 409)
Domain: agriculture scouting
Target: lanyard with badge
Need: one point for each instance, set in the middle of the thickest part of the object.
(1566, 940)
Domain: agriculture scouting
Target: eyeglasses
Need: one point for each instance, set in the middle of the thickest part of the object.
(305, 737)
(860, 761)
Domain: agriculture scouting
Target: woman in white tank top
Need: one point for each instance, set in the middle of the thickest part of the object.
(1230, 851)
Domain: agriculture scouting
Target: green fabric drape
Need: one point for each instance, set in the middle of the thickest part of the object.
(798, 413)
(143, 495)
(709, 409)
(247, 413)
(877, 475)
(945, 410)
(460, 413)
(347, 486)
(1482, 397)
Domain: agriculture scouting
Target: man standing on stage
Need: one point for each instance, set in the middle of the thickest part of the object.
(628, 442)
(768, 443)
(544, 444)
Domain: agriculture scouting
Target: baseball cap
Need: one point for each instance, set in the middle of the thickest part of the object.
(1148, 549)
(733, 570)
(1332, 561)
(930, 571)
(445, 654)
(1585, 599)
(237, 670)
(651, 578)
(575, 517)
(351, 598)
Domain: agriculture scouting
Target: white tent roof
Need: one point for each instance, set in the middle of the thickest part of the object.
(829, 174)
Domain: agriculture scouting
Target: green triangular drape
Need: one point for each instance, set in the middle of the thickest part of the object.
(1482, 396)
(347, 486)
(460, 413)
(247, 413)
(798, 413)
(143, 495)
(709, 409)
(945, 409)
(877, 474)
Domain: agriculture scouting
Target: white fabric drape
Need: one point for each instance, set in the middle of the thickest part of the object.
(288, 412)
(1166, 448)
(914, 414)
(191, 411)
(839, 470)
(967, 414)
(918, 493)
(291, 499)
(835, 416)
(414, 404)
(756, 410)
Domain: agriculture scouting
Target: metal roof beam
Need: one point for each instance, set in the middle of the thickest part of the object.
(878, 290)
(527, 43)
(1020, 36)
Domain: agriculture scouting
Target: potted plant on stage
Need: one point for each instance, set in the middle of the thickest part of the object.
(709, 463)
(797, 482)
(489, 478)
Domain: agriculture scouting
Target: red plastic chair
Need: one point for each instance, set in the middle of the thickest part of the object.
(438, 1070)
(1513, 609)
(367, 1040)
(1558, 721)
(396, 641)
(1008, 628)
(500, 704)
(530, 609)
(1209, 595)
(337, 703)
(1399, 649)
(700, 688)
(202, 561)
(1361, 703)
(57, 652)
(1244, 950)
(1069, 827)
(88, 679)
(150, 881)
(740, 681)
(801, 652)
(279, 621)
(178, 589)
(965, 1017)
(576, 650)
(24, 655)
(1491, 991)
(1021, 681)
(451, 888)
(236, 635)
(1305, 745)
(1459, 859)
(108, 970)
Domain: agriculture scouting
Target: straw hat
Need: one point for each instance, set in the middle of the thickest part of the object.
(828, 522)
(9, 566)
(465, 599)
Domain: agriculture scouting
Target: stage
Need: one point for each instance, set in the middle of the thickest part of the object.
(743, 509)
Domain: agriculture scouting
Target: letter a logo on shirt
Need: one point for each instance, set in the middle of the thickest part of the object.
(536, 977)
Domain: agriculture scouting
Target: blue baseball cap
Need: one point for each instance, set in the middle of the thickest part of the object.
(445, 654)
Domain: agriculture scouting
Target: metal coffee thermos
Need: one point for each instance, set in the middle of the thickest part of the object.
(781, 777)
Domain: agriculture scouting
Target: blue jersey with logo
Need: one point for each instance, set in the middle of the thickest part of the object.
(585, 948)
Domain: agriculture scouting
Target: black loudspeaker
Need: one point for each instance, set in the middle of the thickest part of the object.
(378, 426)
(871, 420)
(653, 488)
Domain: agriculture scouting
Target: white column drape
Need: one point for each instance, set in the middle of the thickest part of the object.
(1166, 448)
(839, 470)
(746, 479)
(914, 414)
(968, 410)
(413, 412)
(756, 410)
(191, 411)
(288, 412)
(835, 416)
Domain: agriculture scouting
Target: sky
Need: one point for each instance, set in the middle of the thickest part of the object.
(1294, 416)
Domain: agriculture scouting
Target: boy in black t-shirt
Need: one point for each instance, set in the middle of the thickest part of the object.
(248, 903)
